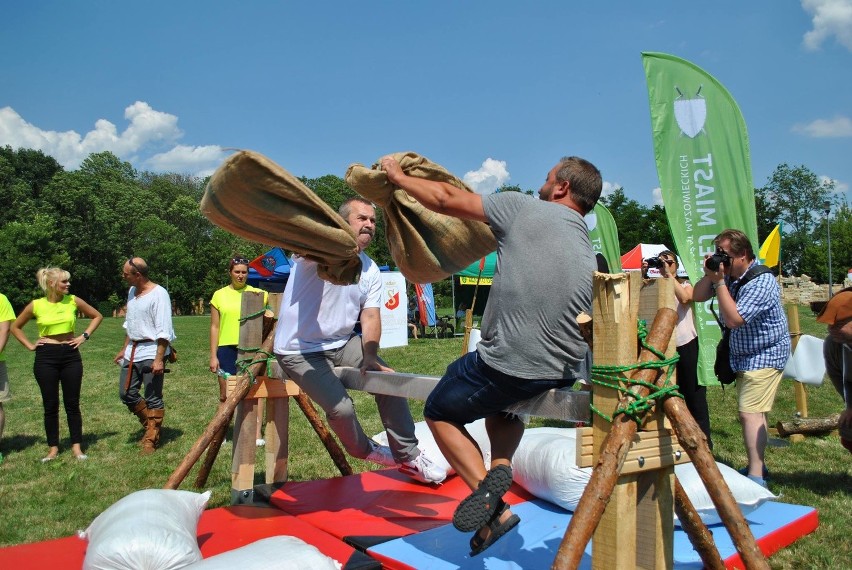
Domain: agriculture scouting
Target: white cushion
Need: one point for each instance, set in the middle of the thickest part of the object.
(806, 364)
(545, 465)
(426, 442)
(154, 529)
(273, 553)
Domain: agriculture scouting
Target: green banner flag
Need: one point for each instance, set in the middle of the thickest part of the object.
(704, 167)
(604, 236)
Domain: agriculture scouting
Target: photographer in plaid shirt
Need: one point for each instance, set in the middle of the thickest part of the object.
(760, 339)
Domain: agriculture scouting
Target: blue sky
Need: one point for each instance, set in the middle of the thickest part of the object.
(495, 91)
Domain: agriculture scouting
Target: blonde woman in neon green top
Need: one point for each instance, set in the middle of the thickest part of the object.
(57, 355)
(225, 320)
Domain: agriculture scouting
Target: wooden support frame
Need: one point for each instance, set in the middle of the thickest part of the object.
(637, 526)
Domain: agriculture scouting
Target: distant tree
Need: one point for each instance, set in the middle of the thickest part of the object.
(637, 223)
(815, 258)
(795, 195)
(27, 246)
(23, 175)
(515, 188)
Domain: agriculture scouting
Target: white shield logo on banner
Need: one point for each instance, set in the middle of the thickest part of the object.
(690, 114)
(591, 220)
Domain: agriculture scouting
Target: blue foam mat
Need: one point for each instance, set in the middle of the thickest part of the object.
(534, 542)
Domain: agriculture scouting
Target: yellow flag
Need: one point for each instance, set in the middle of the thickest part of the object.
(770, 251)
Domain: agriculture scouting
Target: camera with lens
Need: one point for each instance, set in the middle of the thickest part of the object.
(655, 262)
(714, 261)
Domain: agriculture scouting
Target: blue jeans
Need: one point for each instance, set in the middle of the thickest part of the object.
(471, 390)
(227, 356)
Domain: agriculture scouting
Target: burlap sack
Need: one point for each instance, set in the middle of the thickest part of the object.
(252, 197)
(425, 245)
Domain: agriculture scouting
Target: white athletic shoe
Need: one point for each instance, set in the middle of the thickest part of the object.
(380, 454)
(423, 469)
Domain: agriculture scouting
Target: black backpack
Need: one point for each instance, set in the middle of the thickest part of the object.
(722, 366)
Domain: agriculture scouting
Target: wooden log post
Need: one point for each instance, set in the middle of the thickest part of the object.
(799, 390)
(699, 535)
(693, 440)
(221, 418)
(809, 426)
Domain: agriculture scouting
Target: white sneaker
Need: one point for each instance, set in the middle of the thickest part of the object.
(380, 454)
(423, 469)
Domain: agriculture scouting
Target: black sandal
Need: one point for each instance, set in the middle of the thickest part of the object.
(479, 507)
(478, 544)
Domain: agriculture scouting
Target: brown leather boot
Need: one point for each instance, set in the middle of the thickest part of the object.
(152, 430)
(141, 411)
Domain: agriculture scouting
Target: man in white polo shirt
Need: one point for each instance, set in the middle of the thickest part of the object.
(315, 333)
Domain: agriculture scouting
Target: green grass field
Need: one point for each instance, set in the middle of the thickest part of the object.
(40, 501)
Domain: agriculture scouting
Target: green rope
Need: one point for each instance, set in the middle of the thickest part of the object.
(638, 407)
(253, 315)
(244, 364)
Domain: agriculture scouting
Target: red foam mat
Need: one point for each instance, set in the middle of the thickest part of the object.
(382, 503)
(219, 530)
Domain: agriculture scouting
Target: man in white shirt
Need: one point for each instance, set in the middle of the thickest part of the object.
(315, 333)
(146, 346)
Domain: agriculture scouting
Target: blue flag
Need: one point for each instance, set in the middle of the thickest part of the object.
(265, 264)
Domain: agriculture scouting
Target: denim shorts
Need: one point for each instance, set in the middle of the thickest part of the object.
(471, 390)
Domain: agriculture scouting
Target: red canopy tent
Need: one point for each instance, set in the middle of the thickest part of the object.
(632, 260)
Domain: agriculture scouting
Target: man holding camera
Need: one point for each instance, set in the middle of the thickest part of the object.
(760, 341)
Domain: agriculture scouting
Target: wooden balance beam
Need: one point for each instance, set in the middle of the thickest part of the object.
(567, 404)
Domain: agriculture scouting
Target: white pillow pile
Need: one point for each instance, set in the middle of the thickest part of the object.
(748, 494)
(426, 442)
(273, 553)
(150, 529)
(545, 465)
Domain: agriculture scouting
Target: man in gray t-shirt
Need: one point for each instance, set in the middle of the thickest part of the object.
(530, 338)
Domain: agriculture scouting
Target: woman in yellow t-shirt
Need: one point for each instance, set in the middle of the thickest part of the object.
(57, 355)
(225, 320)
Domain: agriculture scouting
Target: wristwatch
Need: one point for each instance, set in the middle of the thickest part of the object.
(85, 335)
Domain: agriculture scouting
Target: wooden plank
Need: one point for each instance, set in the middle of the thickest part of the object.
(649, 451)
(245, 421)
(267, 387)
(277, 439)
(243, 458)
(631, 532)
(555, 404)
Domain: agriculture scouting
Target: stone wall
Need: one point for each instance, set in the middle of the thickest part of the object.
(802, 290)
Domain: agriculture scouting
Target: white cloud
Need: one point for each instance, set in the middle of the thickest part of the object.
(200, 160)
(147, 129)
(830, 18)
(837, 127)
(490, 176)
(658, 196)
(839, 187)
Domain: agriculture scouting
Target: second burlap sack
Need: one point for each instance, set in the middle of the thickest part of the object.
(425, 245)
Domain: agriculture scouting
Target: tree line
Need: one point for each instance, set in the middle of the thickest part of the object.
(92, 219)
